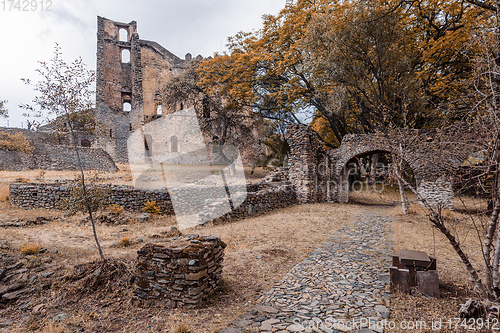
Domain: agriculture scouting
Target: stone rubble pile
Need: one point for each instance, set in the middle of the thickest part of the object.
(180, 272)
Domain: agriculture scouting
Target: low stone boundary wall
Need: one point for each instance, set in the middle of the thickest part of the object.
(437, 193)
(50, 196)
(181, 272)
(55, 157)
(267, 199)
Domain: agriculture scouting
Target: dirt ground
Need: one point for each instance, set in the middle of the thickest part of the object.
(260, 251)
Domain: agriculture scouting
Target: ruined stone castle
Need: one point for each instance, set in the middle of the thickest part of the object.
(130, 75)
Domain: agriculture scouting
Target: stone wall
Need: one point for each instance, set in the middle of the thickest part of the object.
(273, 196)
(260, 198)
(33, 136)
(51, 196)
(15, 161)
(48, 154)
(181, 271)
(64, 158)
(433, 156)
(308, 165)
(55, 157)
(437, 193)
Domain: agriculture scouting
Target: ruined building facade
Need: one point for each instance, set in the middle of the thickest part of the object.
(434, 156)
(131, 72)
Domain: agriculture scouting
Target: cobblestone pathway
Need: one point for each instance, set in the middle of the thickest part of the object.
(341, 286)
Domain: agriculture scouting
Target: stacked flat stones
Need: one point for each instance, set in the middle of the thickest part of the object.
(341, 286)
(259, 199)
(180, 272)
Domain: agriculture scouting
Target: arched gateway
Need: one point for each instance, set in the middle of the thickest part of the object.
(319, 175)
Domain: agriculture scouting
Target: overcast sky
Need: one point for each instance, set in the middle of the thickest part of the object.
(181, 26)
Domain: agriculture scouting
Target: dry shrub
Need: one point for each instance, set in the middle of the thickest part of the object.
(97, 195)
(125, 241)
(15, 142)
(30, 249)
(115, 209)
(151, 208)
(98, 277)
(22, 180)
(173, 232)
(449, 215)
(182, 328)
(53, 327)
(40, 177)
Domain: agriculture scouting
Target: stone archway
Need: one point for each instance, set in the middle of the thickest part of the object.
(431, 154)
(351, 172)
(355, 146)
(433, 183)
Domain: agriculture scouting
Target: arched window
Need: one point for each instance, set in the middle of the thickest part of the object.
(174, 144)
(148, 145)
(159, 110)
(127, 107)
(123, 35)
(125, 56)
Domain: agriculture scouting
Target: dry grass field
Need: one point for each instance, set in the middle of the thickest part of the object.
(260, 251)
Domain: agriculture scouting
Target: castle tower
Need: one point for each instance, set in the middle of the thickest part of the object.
(130, 74)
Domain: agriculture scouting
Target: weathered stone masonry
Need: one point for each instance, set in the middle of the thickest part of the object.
(308, 169)
(53, 157)
(182, 271)
(433, 155)
(51, 196)
(48, 154)
(260, 198)
(130, 75)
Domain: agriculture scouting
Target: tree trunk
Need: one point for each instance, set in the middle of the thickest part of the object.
(87, 203)
(488, 241)
(398, 168)
(404, 201)
(436, 220)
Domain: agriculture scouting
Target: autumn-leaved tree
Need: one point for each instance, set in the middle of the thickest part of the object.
(445, 35)
(265, 70)
(362, 65)
(367, 53)
(321, 126)
(475, 104)
(65, 91)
